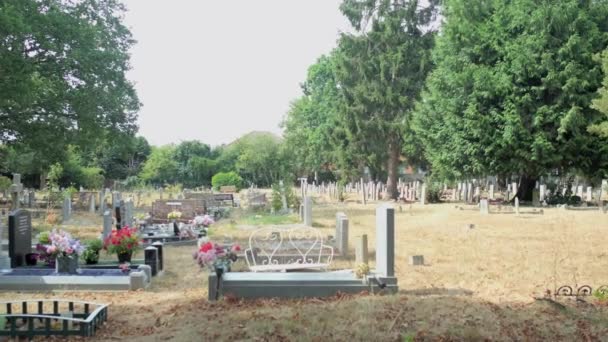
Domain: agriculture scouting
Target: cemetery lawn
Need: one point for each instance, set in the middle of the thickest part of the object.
(481, 283)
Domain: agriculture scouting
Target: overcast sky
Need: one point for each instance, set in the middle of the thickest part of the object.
(215, 70)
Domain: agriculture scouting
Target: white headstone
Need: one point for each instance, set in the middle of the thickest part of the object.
(342, 233)
(491, 191)
(385, 241)
(516, 206)
(483, 207)
(308, 211)
(423, 194)
(92, 203)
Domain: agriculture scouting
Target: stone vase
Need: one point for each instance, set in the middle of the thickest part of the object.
(66, 264)
(125, 257)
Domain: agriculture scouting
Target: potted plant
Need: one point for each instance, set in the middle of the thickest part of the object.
(65, 250)
(124, 242)
(91, 252)
(216, 257)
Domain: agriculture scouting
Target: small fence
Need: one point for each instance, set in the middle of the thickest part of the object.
(32, 317)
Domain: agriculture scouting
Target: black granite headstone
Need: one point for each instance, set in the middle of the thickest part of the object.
(19, 236)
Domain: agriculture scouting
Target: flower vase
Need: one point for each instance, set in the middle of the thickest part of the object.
(125, 257)
(66, 264)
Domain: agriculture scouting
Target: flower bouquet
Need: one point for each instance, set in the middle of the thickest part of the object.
(216, 257)
(64, 249)
(174, 215)
(203, 221)
(123, 242)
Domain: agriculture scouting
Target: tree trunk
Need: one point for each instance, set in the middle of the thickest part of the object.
(525, 188)
(392, 169)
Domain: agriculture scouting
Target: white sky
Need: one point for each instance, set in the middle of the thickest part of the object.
(215, 70)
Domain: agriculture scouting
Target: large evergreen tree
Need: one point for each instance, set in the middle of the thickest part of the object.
(512, 89)
(381, 70)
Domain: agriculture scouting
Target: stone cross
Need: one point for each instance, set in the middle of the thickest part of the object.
(15, 189)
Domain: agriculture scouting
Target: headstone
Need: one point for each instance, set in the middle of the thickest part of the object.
(116, 200)
(151, 258)
(342, 233)
(128, 213)
(516, 206)
(31, 199)
(589, 194)
(363, 195)
(361, 254)
(417, 260)
(102, 202)
(542, 196)
(536, 198)
(159, 246)
(491, 191)
(604, 191)
(107, 224)
(308, 211)
(19, 236)
(385, 241)
(92, 203)
(15, 189)
(579, 191)
(283, 197)
(67, 208)
(423, 194)
(483, 207)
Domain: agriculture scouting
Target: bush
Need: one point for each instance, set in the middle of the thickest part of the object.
(91, 253)
(5, 183)
(276, 201)
(92, 178)
(433, 192)
(226, 179)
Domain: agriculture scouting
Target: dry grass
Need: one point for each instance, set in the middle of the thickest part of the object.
(478, 284)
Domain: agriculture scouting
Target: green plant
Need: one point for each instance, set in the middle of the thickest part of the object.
(601, 294)
(433, 192)
(5, 183)
(43, 238)
(91, 252)
(92, 177)
(226, 178)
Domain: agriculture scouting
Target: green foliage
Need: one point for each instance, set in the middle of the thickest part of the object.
(5, 183)
(433, 192)
(601, 103)
(91, 178)
(226, 179)
(63, 65)
(160, 168)
(601, 294)
(91, 252)
(276, 201)
(43, 238)
(381, 71)
(512, 88)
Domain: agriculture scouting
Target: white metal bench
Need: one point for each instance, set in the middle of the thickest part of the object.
(282, 250)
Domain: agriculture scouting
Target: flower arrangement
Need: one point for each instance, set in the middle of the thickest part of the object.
(91, 252)
(122, 241)
(362, 270)
(62, 244)
(204, 220)
(214, 256)
(174, 215)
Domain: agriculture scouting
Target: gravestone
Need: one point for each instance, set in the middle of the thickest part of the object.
(417, 260)
(308, 211)
(423, 195)
(15, 189)
(536, 198)
(589, 194)
(5, 260)
(385, 241)
(361, 254)
(67, 208)
(542, 193)
(363, 196)
(107, 224)
(31, 199)
(116, 200)
(102, 202)
(159, 246)
(92, 203)
(19, 236)
(516, 206)
(604, 191)
(491, 191)
(342, 233)
(128, 213)
(483, 207)
(151, 259)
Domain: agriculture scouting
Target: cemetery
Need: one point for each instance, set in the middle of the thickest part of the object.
(393, 170)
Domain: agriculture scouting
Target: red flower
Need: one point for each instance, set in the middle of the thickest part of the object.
(236, 248)
(206, 247)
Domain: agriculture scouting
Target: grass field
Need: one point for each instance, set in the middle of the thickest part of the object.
(478, 284)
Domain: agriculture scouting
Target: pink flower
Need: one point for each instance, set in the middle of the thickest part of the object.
(236, 248)
(69, 250)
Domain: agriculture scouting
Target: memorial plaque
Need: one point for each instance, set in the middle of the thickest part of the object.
(19, 236)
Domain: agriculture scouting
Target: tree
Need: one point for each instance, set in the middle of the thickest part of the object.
(512, 89)
(381, 71)
(311, 121)
(601, 103)
(161, 167)
(194, 162)
(63, 66)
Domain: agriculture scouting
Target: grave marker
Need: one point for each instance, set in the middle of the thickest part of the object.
(385, 241)
(483, 207)
(423, 194)
(361, 254)
(92, 203)
(15, 189)
(107, 224)
(342, 233)
(308, 211)
(19, 236)
(67, 208)
(516, 206)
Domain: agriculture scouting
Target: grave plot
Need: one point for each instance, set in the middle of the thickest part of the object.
(285, 284)
(31, 318)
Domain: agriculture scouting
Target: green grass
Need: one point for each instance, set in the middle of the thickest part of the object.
(268, 219)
